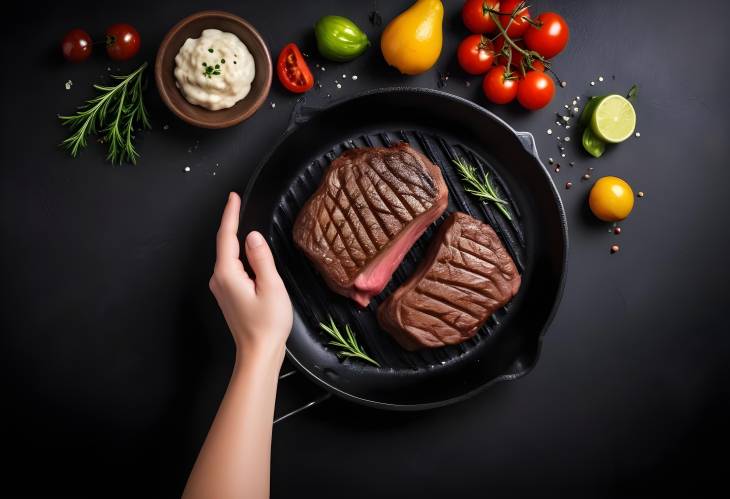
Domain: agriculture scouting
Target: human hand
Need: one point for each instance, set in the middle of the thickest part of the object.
(258, 312)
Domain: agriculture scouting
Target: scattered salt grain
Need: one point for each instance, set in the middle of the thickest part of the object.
(339, 85)
(567, 139)
(187, 168)
(566, 118)
(550, 160)
(273, 105)
(344, 76)
(165, 127)
(593, 83)
(354, 77)
(549, 131)
(637, 134)
(324, 69)
(68, 84)
(563, 84)
(600, 78)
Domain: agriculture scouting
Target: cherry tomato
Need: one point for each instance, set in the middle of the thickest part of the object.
(611, 199)
(122, 42)
(76, 45)
(536, 90)
(518, 25)
(550, 38)
(475, 54)
(497, 87)
(538, 66)
(476, 19)
(293, 71)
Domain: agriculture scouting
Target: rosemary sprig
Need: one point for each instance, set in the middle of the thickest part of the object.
(114, 112)
(483, 189)
(346, 343)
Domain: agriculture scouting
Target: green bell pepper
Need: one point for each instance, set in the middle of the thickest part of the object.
(339, 39)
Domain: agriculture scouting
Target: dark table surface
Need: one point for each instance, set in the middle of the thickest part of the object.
(115, 354)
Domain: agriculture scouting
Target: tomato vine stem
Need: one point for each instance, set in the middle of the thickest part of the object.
(528, 55)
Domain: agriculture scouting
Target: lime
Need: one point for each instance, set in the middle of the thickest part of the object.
(592, 144)
(614, 119)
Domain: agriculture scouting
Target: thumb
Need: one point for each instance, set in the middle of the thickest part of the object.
(260, 258)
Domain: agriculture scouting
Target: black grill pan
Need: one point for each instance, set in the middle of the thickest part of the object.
(443, 127)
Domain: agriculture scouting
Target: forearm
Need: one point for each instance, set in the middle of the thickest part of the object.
(235, 459)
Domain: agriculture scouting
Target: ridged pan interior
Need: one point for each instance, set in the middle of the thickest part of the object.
(316, 302)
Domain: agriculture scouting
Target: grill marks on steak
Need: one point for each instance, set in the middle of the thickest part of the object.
(371, 206)
(467, 275)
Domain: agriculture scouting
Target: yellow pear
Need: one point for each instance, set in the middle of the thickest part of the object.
(412, 41)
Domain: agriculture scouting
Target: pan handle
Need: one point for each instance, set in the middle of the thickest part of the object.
(528, 142)
(320, 398)
(301, 113)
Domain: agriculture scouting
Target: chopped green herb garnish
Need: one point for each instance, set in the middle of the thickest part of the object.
(223, 61)
(210, 50)
(204, 64)
(211, 71)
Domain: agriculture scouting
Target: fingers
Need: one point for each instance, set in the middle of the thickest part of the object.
(227, 247)
(260, 258)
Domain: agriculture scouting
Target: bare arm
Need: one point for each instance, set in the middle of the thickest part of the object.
(235, 458)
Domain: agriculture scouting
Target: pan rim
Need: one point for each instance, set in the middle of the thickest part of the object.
(294, 126)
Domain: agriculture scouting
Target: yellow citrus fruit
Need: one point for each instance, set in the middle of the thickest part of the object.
(611, 199)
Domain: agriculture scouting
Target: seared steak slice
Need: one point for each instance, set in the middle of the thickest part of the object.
(467, 275)
(372, 205)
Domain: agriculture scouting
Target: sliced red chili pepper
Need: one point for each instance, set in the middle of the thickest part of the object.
(293, 71)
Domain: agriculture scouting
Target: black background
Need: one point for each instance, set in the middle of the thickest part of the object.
(115, 355)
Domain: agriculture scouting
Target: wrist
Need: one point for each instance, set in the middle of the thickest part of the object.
(258, 356)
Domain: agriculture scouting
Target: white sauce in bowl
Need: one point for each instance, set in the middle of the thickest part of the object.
(214, 71)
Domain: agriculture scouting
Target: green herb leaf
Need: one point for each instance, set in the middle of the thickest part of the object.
(115, 112)
(633, 92)
(481, 188)
(592, 144)
(347, 345)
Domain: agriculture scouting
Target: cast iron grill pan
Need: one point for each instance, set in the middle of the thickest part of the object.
(507, 346)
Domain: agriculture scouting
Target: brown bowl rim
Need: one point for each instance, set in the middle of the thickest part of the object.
(163, 89)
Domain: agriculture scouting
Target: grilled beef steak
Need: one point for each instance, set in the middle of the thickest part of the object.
(467, 275)
(372, 205)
